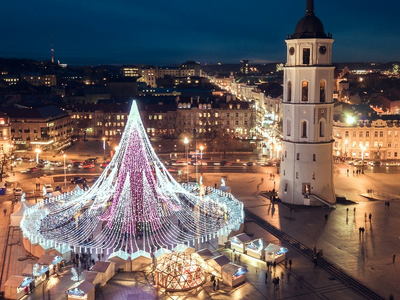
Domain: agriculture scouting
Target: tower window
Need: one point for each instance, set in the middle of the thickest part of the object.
(297, 175)
(322, 91)
(288, 127)
(285, 153)
(298, 156)
(313, 175)
(322, 128)
(289, 91)
(306, 56)
(304, 90)
(304, 129)
(314, 157)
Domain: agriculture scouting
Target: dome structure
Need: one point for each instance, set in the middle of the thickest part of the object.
(310, 26)
(179, 271)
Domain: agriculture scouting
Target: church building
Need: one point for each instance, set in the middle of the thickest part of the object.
(306, 157)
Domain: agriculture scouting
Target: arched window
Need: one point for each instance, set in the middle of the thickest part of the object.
(304, 129)
(288, 127)
(304, 90)
(322, 91)
(289, 91)
(322, 128)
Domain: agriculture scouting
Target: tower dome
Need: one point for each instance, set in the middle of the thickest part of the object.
(310, 26)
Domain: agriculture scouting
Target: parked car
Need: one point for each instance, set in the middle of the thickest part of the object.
(18, 191)
(78, 164)
(392, 164)
(249, 164)
(375, 163)
(88, 165)
(77, 180)
(92, 160)
(48, 187)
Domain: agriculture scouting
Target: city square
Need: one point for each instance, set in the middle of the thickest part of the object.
(272, 178)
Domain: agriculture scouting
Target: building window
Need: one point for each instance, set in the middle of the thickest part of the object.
(289, 92)
(389, 133)
(361, 134)
(367, 134)
(322, 91)
(313, 175)
(354, 133)
(389, 144)
(381, 134)
(285, 153)
(297, 175)
(314, 157)
(236, 122)
(395, 154)
(376, 133)
(304, 90)
(298, 156)
(306, 56)
(304, 129)
(346, 134)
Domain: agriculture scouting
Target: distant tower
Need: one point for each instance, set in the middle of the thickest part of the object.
(52, 50)
(307, 162)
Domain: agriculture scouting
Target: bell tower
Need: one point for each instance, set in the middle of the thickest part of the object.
(306, 157)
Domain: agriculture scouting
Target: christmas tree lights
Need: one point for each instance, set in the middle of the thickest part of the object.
(135, 205)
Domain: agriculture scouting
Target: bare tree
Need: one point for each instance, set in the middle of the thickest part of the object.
(5, 161)
(174, 123)
(83, 125)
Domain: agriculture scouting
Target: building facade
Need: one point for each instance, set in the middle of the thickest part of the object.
(306, 157)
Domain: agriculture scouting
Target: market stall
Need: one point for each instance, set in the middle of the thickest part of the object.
(17, 286)
(84, 290)
(16, 217)
(122, 261)
(205, 255)
(233, 275)
(52, 261)
(94, 277)
(275, 253)
(255, 248)
(38, 272)
(140, 261)
(238, 242)
(218, 263)
(61, 250)
(107, 269)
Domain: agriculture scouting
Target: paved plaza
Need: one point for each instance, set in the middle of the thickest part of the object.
(368, 257)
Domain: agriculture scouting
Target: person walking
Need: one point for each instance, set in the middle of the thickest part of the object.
(370, 217)
(266, 277)
(365, 215)
(214, 285)
(354, 210)
(394, 257)
(326, 217)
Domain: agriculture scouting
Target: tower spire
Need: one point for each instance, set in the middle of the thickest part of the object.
(52, 50)
(310, 8)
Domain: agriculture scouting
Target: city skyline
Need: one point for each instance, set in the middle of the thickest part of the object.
(149, 32)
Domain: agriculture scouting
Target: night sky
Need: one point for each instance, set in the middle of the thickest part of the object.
(163, 32)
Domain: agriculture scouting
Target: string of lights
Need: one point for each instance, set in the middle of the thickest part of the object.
(135, 205)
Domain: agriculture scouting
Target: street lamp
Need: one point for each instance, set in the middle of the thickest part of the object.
(37, 150)
(362, 158)
(65, 174)
(186, 142)
(201, 159)
(104, 148)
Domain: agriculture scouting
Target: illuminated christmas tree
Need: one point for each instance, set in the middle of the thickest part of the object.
(134, 205)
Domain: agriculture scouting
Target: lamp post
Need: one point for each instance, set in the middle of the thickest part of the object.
(37, 150)
(104, 148)
(201, 159)
(65, 174)
(362, 158)
(186, 142)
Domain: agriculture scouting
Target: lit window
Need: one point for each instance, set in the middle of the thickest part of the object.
(304, 90)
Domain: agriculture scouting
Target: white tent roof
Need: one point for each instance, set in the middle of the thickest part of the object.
(160, 252)
(272, 248)
(120, 254)
(139, 253)
(17, 216)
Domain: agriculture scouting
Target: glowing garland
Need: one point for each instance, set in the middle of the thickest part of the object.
(134, 205)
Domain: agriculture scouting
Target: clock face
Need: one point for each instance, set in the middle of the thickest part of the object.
(322, 49)
(291, 51)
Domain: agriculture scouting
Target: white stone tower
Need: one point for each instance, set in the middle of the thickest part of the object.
(306, 157)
